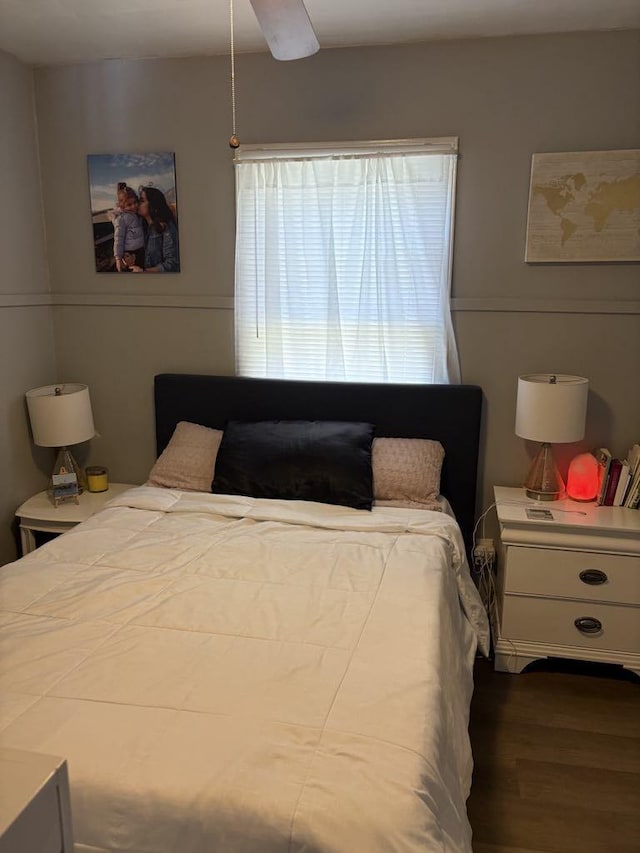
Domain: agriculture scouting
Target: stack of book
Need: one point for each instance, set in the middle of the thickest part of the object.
(619, 480)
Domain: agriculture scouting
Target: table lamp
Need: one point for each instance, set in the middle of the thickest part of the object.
(551, 408)
(61, 415)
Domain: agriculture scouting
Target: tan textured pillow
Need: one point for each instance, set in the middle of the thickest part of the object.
(188, 461)
(406, 472)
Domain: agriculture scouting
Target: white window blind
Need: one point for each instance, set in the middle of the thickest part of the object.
(343, 261)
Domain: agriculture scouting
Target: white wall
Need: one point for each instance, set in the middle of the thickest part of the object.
(27, 356)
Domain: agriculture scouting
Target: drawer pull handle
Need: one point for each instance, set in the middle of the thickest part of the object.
(588, 625)
(594, 577)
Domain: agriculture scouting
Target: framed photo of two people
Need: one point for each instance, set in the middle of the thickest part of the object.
(134, 212)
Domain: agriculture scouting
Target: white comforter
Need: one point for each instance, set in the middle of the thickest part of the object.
(229, 674)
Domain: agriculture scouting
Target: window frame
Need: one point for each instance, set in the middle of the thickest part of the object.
(446, 145)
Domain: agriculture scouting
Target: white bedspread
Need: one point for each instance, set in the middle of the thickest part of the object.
(229, 674)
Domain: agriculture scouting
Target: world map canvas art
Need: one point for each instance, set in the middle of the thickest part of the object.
(584, 206)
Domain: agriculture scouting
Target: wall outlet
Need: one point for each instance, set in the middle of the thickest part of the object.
(484, 553)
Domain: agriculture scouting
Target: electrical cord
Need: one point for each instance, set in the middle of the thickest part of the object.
(481, 519)
(483, 569)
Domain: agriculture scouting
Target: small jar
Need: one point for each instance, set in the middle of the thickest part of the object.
(97, 478)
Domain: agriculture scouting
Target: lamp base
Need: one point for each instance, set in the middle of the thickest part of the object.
(544, 496)
(544, 482)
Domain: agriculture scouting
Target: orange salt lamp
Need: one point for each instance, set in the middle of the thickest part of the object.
(582, 480)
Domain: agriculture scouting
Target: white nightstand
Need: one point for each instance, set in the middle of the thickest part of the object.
(35, 814)
(568, 587)
(39, 513)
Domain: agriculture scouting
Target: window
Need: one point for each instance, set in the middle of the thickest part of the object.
(343, 262)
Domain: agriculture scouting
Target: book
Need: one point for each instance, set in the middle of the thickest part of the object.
(634, 471)
(604, 461)
(632, 492)
(612, 482)
(623, 482)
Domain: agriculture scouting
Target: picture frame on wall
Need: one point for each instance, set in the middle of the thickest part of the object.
(584, 206)
(134, 213)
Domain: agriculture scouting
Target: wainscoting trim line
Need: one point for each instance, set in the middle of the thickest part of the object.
(495, 305)
(24, 300)
(548, 306)
(145, 300)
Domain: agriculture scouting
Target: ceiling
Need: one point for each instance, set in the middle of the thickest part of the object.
(47, 32)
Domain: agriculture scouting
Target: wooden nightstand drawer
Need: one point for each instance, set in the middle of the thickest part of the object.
(573, 574)
(583, 563)
(542, 620)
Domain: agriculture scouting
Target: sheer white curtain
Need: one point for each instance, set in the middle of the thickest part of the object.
(343, 265)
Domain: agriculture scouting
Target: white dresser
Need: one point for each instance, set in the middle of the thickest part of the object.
(567, 587)
(35, 815)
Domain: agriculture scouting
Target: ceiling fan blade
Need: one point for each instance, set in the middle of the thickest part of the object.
(287, 28)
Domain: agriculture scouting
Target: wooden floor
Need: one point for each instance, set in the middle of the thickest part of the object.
(557, 763)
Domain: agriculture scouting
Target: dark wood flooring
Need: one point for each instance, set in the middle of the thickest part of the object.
(557, 763)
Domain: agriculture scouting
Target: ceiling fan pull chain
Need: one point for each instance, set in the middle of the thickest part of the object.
(234, 142)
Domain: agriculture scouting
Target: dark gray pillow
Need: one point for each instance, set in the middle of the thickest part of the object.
(325, 461)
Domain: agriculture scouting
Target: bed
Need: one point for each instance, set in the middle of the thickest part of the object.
(226, 673)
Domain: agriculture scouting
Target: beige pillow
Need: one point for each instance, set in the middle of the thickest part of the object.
(406, 472)
(188, 461)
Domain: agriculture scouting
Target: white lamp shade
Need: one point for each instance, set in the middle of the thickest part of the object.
(58, 420)
(551, 407)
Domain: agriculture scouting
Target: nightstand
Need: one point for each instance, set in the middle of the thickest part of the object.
(35, 814)
(569, 587)
(39, 514)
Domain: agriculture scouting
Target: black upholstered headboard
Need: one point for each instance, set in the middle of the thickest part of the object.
(448, 413)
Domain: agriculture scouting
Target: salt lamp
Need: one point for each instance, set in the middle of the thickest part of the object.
(582, 480)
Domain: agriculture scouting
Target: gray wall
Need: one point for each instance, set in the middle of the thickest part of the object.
(504, 98)
(27, 357)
